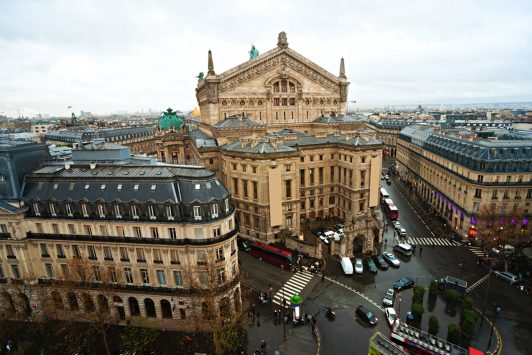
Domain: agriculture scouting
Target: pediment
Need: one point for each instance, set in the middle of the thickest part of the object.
(277, 59)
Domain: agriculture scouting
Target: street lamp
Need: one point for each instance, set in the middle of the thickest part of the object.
(399, 308)
(496, 310)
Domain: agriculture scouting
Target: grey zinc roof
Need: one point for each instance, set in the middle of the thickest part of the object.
(156, 184)
(481, 149)
(235, 122)
(338, 118)
(201, 140)
(257, 145)
(302, 139)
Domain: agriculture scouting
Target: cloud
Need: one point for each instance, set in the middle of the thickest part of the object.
(105, 56)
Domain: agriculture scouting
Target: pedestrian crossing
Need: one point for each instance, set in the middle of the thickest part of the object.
(433, 241)
(477, 251)
(295, 284)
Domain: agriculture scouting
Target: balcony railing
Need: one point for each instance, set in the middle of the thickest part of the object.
(5, 235)
(133, 240)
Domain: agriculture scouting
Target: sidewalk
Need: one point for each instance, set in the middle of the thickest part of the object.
(299, 340)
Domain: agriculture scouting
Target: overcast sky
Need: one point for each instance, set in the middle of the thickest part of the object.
(107, 56)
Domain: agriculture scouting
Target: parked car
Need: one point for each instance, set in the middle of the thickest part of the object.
(389, 298)
(339, 228)
(390, 258)
(359, 268)
(370, 264)
(347, 266)
(332, 235)
(402, 232)
(386, 177)
(391, 316)
(403, 284)
(507, 276)
(388, 181)
(324, 239)
(396, 224)
(364, 313)
(379, 261)
(453, 283)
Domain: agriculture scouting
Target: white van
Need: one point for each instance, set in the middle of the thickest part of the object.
(403, 248)
(347, 265)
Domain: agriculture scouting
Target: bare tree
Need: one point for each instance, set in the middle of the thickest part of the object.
(497, 228)
(214, 311)
(88, 291)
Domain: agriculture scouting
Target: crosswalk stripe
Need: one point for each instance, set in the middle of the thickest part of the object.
(291, 288)
(295, 284)
(433, 241)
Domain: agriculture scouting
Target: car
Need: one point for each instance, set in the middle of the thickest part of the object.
(380, 262)
(390, 258)
(370, 264)
(391, 316)
(389, 298)
(388, 181)
(386, 177)
(403, 284)
(339, 227)
(243, 245)
(359, 268)
(396, 224)
(324, 239)
(507, 276)
(365, 314)
(332, 235)
(402, 232)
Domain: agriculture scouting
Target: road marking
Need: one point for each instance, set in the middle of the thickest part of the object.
(356, 292)
(476, 284)
(295, 284)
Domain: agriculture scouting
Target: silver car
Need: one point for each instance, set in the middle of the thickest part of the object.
(389, 297)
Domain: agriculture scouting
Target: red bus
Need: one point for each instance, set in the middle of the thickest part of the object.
(272, 255)
(390, 209)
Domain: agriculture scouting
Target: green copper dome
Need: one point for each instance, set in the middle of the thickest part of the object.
(171, 119)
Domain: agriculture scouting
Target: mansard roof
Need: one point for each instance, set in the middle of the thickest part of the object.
(508, 147)
(237, 122)
(143, 184)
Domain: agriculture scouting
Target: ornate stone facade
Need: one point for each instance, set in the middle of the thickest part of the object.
(278, 87)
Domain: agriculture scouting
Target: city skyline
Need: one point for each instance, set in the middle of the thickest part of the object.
(108, 57)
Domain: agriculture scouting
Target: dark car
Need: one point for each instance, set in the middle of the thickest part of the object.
(388, 181)
(364, 313)
(379, 261)
(403, 284)
(243, 245)
(370, 264)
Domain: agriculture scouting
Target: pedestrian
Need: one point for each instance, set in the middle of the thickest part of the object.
(420, 249)
(270, 289)
(253, 310)
(385, 241)
(263, 346)
(305, 317)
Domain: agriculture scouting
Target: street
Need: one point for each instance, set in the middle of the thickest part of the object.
(435, 257)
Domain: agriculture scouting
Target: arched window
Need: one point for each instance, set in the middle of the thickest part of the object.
(134, 306)
(72, 301)
(58, 301)
(166, 309)
(103, 305)
(88, 303)
(150, 308)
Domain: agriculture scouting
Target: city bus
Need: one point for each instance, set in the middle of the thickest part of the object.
(384, 194)
(390, 209)
(272, 255)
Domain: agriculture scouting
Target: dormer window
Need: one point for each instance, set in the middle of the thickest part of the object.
(197, 213)
(85, 210)
(136, 187)
(55, 187)
(153, 187)
(87, 186)
(226, 201)
(51, 205)
(151, 211)
(36, 209)
(118, 213)
(102, 187)
(119, 187)
(214, 210)
(169, 213)
(135, 211)
(68, 208)
(101, 210)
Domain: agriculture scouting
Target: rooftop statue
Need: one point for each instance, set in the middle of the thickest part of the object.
(253, 53)
(282, 41)
(200, 76)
